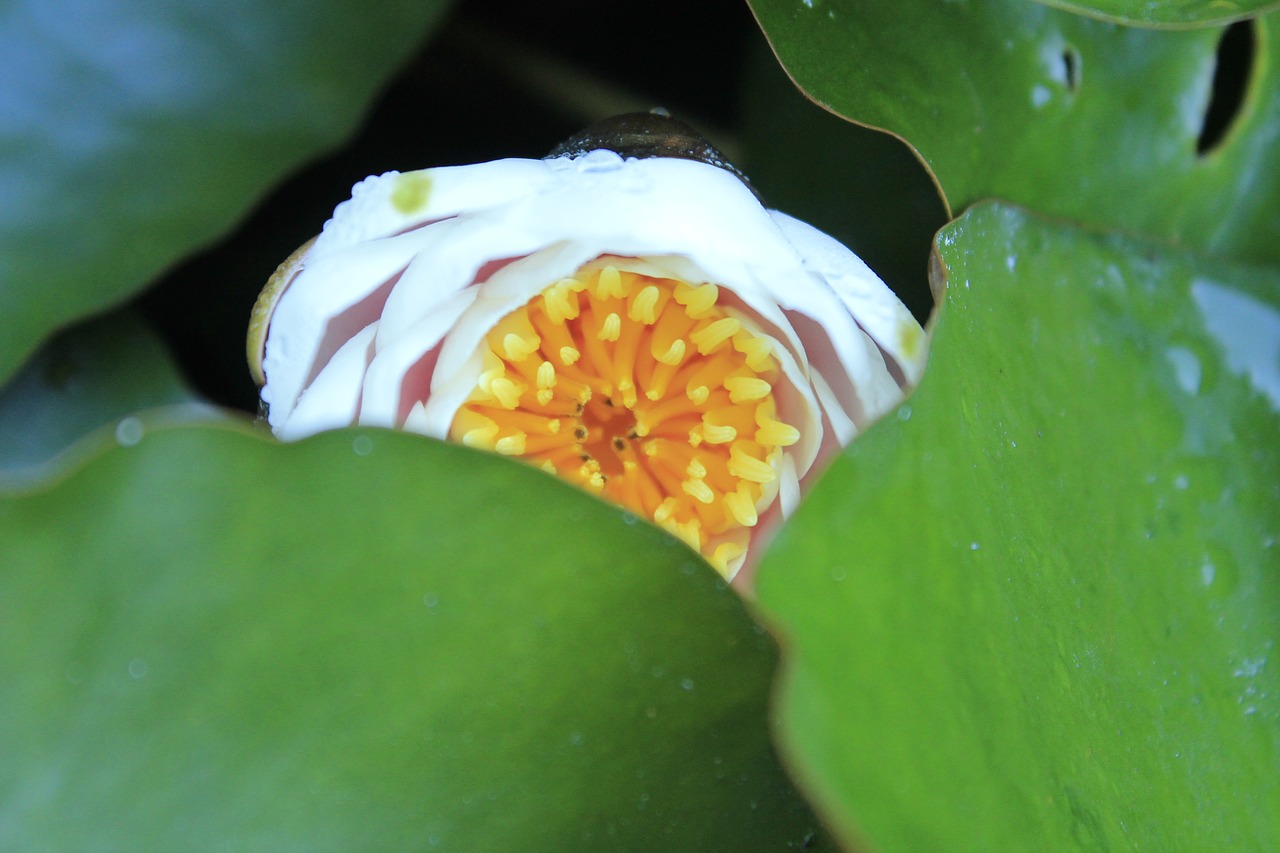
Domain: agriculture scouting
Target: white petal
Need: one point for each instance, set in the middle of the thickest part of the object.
(866, 297)
(393, 365)
(323, 290)
(333, 399)
(392, 203)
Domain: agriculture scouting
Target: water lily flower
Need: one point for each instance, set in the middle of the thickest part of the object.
(642, 327)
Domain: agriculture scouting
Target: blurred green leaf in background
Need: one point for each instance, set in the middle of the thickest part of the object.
(1035, 608)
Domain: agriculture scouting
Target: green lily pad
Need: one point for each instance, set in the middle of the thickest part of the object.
(91, 376)
(137, 131)
(369, 641)
(1068, 115)
(1038, 608)
(1167, 13)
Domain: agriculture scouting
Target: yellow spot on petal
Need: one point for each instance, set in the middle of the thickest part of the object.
(411, 192)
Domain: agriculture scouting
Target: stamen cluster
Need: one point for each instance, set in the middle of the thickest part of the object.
(645, 390)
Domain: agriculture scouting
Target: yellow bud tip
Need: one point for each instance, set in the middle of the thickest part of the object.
(698, 490)
(506, 392)
(747, 467)
(519, 348)
(711, 337)
(545, 396)
(609, 283)
(643, 308)
(481, 437)
(742, 508)
(777, 434)
(696, 469)
(697, 299)
(699, 394)
(725, 554)
(747, 389)
(674, 354)
(717, 434)
(569, 355)
(611, 328)
(546, 375)
(665, 510)
(511, 445)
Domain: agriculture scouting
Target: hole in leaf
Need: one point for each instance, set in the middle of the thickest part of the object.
(1071, 68)
(1230, 79)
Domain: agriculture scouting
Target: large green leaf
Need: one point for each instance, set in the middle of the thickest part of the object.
(97, 374)
(1072, 116)
(1167, 13)
(368, 641)
(136, 131)
(1038, 609)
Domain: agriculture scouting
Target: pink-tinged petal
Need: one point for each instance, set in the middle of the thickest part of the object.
(865, 296)
(401, 372)
(328, 300)
(332, 401)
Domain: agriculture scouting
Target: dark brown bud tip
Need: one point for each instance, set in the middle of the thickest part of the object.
(651, 134)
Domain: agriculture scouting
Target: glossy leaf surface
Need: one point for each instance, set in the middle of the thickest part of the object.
(1037, 608)
(136, 132)
(87, 378)
(1065, 114)
(368, 641)
(1167, 13)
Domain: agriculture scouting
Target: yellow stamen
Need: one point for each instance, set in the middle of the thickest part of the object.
(611, 328)
(747, 389)
(717, 433)
(626, 384)
(511, 445)
(698, 300)
(507, 392)
(517, 347)
(776, 433)
(725, 554)
(673, 354)
(698, 490)
(643, 305)
(741, 506)
(609, 284)
(712, 336)
(743, 464)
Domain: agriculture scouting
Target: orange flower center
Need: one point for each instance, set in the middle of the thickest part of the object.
(644, 390)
